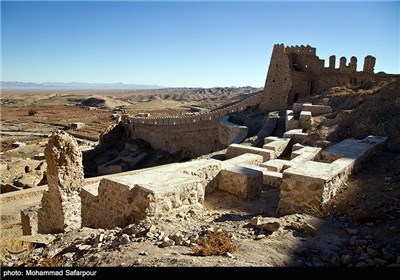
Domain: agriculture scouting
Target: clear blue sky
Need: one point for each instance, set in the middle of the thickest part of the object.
(186, 43)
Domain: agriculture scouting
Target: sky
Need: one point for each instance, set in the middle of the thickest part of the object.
(186, 44)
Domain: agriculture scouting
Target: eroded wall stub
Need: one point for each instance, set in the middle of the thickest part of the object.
(61, 204)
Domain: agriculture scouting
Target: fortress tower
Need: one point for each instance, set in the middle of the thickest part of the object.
(297, 72)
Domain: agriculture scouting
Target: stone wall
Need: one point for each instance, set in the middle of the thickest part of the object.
(189, 140)
(229, 133)
(190, 136)
(297, 72)
(61, 204)
(118, 201)
(278, 82)
(310, 185)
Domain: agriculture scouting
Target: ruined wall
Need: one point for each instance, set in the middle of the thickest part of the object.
(190, 140)
(190, 135)
(229, 133)
(61, 204)
(278, 82)
(297, 72)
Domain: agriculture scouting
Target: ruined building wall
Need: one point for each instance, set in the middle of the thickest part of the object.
(190, 140)
(278, 82)
(193, 135)
(297, 72)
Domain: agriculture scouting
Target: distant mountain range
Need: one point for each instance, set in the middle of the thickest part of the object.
(75, 85)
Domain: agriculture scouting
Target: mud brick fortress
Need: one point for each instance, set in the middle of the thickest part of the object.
(294, 72)
(306, 176)
(297, 72)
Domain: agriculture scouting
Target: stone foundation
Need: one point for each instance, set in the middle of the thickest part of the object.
(119, 201)
(271, 179)
(235, 150)
(312, 184)
(241, 181)
(278, 146)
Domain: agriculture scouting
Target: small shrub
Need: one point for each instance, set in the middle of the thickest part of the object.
(50, 262)
(214, 243)
(32, 112)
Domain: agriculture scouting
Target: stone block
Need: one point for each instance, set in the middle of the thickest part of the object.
(119, 201)
(304, 154)
(278, 146)
(270, 178)
(305, 119)
(303, 186)
(277, 165)
(317, 110)
(252, 159)
(241, 181)
(354, 148)
(208, 170)
(291, 123)
(297, 146)
(292, 132)
(270, 139)
(297, 107)
(235, 150)
(297, 135)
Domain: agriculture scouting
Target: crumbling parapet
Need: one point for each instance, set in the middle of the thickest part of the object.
(229, 133)
(61, 204)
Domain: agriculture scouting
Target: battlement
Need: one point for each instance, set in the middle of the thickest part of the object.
(209, 116)
(297, 72)
(302, 50)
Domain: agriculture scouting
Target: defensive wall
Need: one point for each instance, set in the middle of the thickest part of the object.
(192, 135)
(297, 72)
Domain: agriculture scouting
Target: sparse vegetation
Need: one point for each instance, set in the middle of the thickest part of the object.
(32, 112)
(214, 243)
(50, 262)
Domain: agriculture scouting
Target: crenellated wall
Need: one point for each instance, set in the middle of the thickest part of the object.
(189, 136)
(297, 72)
(252, 100)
